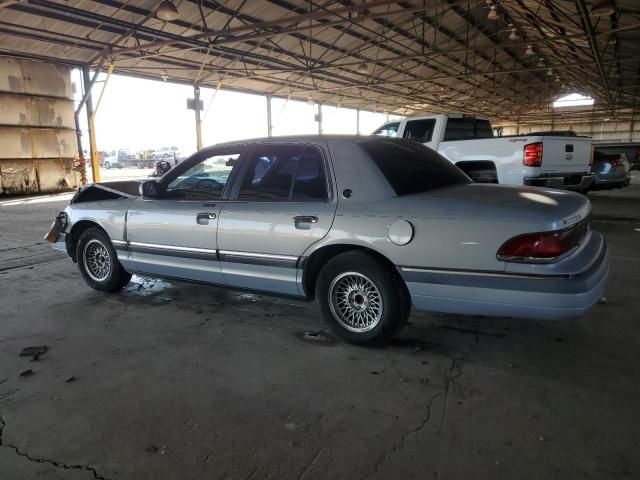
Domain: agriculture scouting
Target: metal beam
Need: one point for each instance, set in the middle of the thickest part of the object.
(584, 13)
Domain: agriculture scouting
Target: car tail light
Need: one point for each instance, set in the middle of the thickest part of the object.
(533, 154)
(544, 246)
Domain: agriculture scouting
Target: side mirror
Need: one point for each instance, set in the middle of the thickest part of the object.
(149, 189)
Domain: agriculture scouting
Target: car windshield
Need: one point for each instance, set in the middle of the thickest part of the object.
(411, 168)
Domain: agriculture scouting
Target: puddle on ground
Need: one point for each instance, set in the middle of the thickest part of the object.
(144, 286)
(317, 338)
(246, 298)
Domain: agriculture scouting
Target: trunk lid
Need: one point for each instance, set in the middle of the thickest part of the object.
(539, 209)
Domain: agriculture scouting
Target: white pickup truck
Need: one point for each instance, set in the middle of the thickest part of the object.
(551, 159)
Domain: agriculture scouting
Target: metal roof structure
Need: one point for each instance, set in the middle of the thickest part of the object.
(503, 58)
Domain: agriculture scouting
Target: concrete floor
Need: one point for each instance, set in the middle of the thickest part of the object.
(172, 380)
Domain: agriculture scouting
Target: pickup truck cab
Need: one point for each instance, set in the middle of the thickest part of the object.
(547, 159)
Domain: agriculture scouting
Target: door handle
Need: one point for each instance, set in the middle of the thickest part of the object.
(303, 222)
(203, 218)
(305, 219)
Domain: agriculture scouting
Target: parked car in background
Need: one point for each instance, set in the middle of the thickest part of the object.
(630, 150)
(610, 171)
(467, 141)
(365, 225)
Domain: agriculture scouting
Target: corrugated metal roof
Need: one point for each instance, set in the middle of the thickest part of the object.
(404, 57)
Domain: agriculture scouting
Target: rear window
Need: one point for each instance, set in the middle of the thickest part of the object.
(467, 128)
(419, 130)
(410, 167)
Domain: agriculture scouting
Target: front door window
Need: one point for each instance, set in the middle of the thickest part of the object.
(205, 180)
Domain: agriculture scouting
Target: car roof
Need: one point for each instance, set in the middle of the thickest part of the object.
(357, 139)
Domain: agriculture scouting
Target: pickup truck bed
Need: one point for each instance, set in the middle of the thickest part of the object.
(541, 159)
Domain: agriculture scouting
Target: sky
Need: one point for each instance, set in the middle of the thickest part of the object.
(137, 114)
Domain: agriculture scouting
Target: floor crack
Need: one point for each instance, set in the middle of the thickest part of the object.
(55, 463)
(401, 441)
(453, 373)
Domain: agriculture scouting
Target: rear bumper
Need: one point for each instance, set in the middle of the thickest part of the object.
(547, 297)
(604, 181)
(568, 181)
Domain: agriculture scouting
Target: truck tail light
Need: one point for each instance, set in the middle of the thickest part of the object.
(544, 246)
(533, 155)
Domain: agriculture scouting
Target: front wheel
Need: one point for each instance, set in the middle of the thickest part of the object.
(98, 262)
(363, 300)
(107, 165)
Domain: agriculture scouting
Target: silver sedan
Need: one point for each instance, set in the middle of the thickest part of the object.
(367, 226)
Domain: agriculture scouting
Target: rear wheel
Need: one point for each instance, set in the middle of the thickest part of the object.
(98, 262)
(107, 165)
(362, 300)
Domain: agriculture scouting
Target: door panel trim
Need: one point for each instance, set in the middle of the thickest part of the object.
(264, 259)
(231, 256)
(167, 250)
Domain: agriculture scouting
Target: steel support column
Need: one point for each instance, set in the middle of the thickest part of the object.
(269, 120)
(358, 121)
(196, 97)
(86, 80)
(319, 117)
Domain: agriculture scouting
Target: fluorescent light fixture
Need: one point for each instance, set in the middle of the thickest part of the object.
(167, 11)
(493, 13)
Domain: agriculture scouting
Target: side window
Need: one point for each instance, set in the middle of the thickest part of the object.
(269, 177)
(282, 173)
(206, 179)
(420, 130)
(388, 130)
(311, 181)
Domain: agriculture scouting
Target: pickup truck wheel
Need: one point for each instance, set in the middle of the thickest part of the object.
(361, 299)
(98, 262)
(107, 165)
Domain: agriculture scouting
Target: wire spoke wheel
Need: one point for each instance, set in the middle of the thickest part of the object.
(97, 260)
(355, 301)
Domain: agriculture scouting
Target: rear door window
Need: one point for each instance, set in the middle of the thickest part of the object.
(282, 173)
(419, 130)
(467, 128)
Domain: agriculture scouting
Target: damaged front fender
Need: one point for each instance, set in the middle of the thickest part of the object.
(96, 192)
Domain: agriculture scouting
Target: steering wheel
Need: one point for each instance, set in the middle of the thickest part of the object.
(209, 182)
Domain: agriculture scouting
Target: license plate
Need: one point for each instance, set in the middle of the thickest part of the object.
(57, 227)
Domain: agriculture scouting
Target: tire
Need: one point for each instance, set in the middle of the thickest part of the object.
(375, 304)
(107, 165)
(104, 272)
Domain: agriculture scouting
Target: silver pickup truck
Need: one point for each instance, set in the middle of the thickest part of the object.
(366, 225)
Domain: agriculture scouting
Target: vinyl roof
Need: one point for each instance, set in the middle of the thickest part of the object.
(404, 57)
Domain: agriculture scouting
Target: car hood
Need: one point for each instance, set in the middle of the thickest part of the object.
(548, 209)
